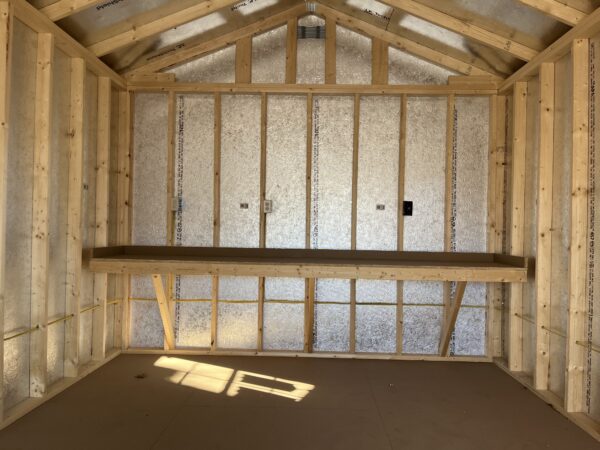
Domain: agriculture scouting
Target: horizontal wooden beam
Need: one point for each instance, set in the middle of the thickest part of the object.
(65, 8)
(322, 89)
(37, 21)
(156, 22)
(557, 10)
(186, 51)
(291, 354)
(401, 42)
(464, 28)
(309, 263)
(587, 28)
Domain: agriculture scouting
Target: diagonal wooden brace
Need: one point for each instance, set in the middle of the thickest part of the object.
(448, 326)
(165, 315)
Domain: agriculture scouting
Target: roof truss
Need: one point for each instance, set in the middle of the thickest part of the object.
(179, 54)
(154, 22)
(560, 11)
(65, 8)
(464, 28)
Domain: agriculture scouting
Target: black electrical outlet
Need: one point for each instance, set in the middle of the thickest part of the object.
(407, 208)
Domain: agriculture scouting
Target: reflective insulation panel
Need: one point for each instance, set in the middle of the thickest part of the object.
(425, 161)
(332, 328)
(469, 209)
(286, 171)
(150, 144)
(19, 184)
(238, 288)
(194, 188)
(240, 170)
(283, 326)
(378, 153)
(269, 56)
(472, 149)
(376, 329)
(376, 291)
(217, 67)
(311, 54)
(284, 289)
(425, 166)
(146, 325)
(237, 325)
(422, 328)
(333, 137)
(469, 334)
(332, 319)
(193, 324)
(405, 68)
(353, 57)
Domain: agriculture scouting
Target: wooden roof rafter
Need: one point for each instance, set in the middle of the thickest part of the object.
(558, 10)
(154, 22)
(388, 24)
(467, 29)
(65, 8)
(417, 49)
(182, 53)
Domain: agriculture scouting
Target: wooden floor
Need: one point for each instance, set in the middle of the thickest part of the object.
(153, 402)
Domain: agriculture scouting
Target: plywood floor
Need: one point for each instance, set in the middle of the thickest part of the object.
(153, 402)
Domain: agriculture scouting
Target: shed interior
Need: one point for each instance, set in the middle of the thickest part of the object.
(352, 179)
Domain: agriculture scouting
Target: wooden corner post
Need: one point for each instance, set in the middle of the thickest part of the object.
(517, 224)
(40, 251)
(543, 275)
(102, 199)
(74, 220)
(5, 60)
(576, 354)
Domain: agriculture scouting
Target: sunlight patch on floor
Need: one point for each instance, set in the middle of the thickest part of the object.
(218, 379)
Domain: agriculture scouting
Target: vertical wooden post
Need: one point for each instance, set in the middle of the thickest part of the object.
(330, 54)
(309, 317)
(74, 219)
(291, 51)
(123, 206)
(379, 61)
(216, 218)
(5, 60)
(263, 215)
(515, 322)
(576, 354)
(243, 60)
(448, 199)
(493, 197)
(309, 285)
(400, 224)
(496, 240)
(170, 212)
(40, 242)
(102, 198)
(354, 219)
(543, 260)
